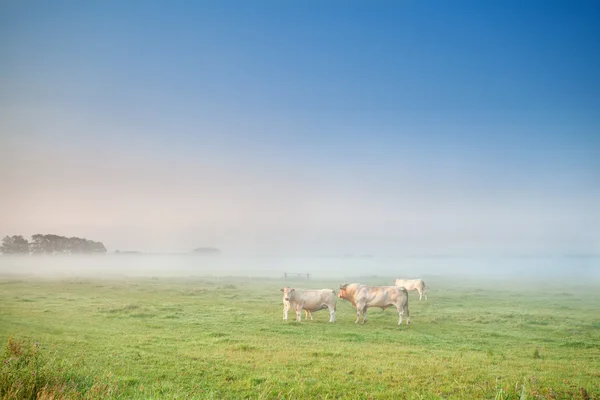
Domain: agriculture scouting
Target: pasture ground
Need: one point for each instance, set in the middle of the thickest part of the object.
(225, 338)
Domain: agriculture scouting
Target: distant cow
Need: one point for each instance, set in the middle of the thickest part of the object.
(412, 284)
(308, 300)
(362, 297)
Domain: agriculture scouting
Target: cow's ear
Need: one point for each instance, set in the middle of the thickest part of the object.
(343, 286)
(281, 290)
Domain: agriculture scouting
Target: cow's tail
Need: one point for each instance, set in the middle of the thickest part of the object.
(405, 305)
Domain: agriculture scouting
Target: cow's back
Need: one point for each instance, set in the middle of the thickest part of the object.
(410, 284)
(380, 296)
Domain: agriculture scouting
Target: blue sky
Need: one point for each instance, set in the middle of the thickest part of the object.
(304, 126)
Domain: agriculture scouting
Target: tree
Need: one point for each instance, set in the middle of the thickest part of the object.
(53, 244)
(41, 244)
(16, 244)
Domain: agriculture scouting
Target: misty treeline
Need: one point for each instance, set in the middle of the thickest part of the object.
(50, 244)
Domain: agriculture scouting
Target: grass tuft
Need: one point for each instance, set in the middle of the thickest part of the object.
(26, 373)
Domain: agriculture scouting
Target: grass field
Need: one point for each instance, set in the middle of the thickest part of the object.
(225, 338)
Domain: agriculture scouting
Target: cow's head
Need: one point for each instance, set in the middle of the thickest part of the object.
(287, 293)
(342, 293)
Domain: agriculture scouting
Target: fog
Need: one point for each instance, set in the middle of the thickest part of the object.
(577, 270)
(324, 139)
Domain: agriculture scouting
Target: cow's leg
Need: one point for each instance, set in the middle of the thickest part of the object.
(420, 293)
(308, 314)
(364, 314)
(285, 312)
(359, 311)
(331, 314)
(425, 293)
(299, 313)
(405, 311)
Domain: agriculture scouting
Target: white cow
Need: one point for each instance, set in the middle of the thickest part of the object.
(308, 300)
(286, 307)
(362, 297)
(412, 284)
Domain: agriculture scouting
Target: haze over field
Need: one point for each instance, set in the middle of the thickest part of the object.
(301, 130)
(577, 271)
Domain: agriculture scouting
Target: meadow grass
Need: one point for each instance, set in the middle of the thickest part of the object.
(225, 338)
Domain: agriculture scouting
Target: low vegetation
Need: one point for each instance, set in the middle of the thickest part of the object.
(225, 338)
(28, 373)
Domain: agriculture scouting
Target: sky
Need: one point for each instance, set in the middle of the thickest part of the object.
(303, 127)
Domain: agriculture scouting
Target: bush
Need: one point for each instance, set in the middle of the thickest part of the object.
(28, 374)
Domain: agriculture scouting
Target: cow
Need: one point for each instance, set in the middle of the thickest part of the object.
(286, 305)
(412, 284)
(362, 297)
(308, 300)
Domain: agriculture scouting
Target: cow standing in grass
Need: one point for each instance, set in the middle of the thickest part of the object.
(412, 284)
(286, 307)
(362, 297)
(308, 300)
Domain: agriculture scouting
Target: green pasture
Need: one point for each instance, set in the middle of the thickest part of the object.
(225, 338)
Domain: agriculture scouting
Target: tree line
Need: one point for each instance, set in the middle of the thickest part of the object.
(49, 244)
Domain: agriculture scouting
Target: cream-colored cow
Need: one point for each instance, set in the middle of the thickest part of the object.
(412, 284)
(286, 307)
(309, 301)
(362, 297)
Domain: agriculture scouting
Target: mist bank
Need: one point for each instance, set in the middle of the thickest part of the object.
(143, 265)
